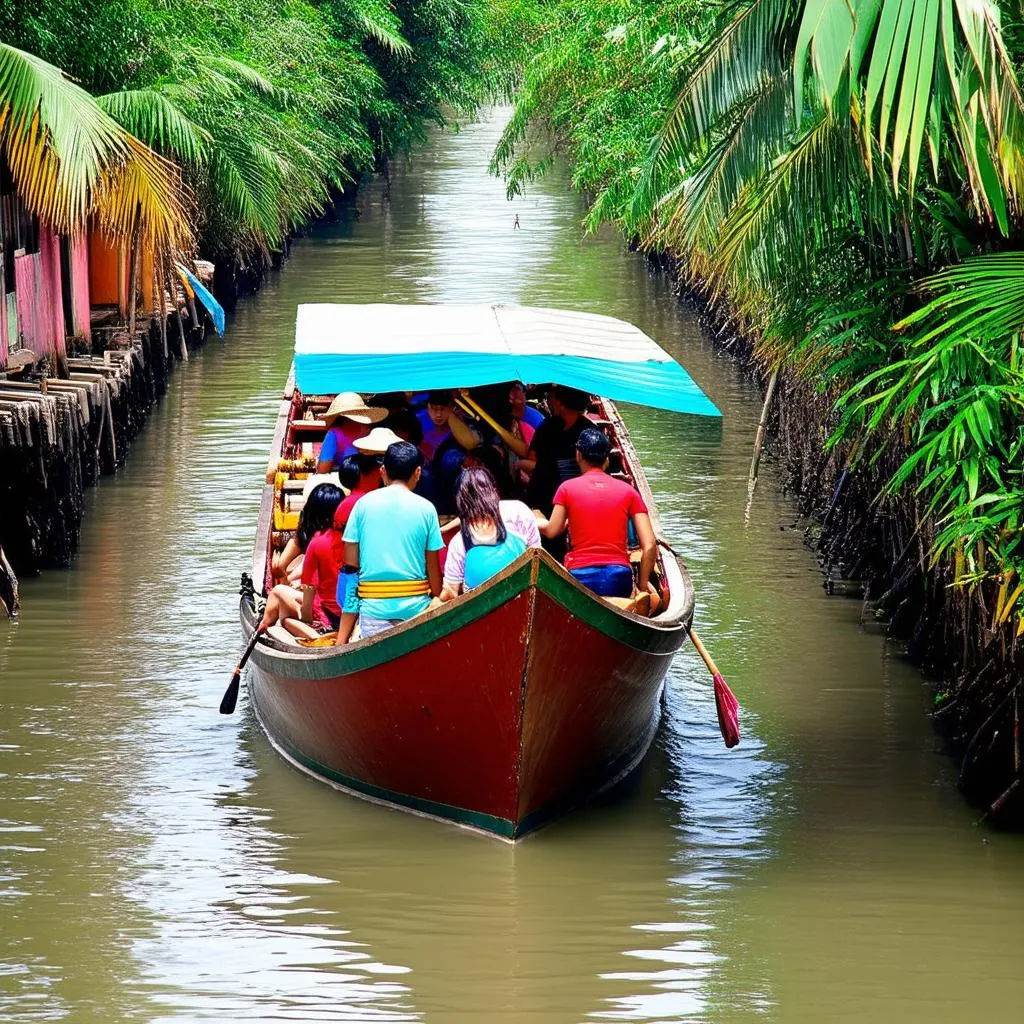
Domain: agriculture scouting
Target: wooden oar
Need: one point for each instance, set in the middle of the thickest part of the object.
(726, 704)
(230, 698)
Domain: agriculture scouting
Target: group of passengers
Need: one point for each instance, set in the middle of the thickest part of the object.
(372, 552)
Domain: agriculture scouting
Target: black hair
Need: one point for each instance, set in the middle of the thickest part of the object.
(494, 462)
(401, 460)
(572, 398)
(349, 471)
(442, 397)
(390, 400)
(477, 502)
(366, 463)
(318, 512)
(594, 446)
(494, 400)
(406, 424)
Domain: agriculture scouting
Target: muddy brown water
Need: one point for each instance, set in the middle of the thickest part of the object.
(161, 863)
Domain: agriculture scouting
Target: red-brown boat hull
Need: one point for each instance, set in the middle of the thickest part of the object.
(500, 711)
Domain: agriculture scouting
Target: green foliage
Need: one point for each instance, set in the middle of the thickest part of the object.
(814, 163)
(270, 106)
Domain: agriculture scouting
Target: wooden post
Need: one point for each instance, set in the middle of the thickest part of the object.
(158, 302)
(133, 280)
(172, 292)
(762, 426)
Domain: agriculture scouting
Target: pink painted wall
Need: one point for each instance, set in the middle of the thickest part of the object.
(28, 272)
(52, 298)
(4, 344)
(80, 317)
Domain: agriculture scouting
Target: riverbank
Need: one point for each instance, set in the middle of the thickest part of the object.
(874, 548)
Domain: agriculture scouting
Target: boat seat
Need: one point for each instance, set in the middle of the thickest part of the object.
(639, 605)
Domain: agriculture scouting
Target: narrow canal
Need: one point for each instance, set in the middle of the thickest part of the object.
(161, 863)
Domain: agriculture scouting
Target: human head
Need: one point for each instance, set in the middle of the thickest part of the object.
(477, 501)
(488, 457)
(517, 399)
(439, 407)
(592, 448)
(403, 463)
(318, 512)
(368, 465)
(349, 472)
(569, 399)
(406, 424)
(349, 405)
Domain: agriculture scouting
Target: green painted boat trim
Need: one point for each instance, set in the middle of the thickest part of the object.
(312, 664)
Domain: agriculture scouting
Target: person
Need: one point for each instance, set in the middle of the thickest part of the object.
(369, 458)
(315, 600)
(392, 550)
(316, 514)
(348, 417)
(598, 509)
(529, 418)
(553, 448)
(446, 439)
(492, 533)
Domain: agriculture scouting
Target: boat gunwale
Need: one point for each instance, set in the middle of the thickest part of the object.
(679, 622)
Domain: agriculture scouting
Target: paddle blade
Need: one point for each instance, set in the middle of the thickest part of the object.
(728, 708)
(230, 698)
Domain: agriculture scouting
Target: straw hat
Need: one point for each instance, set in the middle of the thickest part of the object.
(377, 441)
(315, 479)
(351, 406)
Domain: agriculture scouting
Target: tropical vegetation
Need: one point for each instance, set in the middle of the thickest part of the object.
(845, 178)
(265, 109)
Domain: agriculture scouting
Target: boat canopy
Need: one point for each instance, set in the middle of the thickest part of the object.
(384, 347)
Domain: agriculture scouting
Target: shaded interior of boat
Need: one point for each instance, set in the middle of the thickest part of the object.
(299, 436)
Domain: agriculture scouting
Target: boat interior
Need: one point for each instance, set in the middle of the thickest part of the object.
(301, 433)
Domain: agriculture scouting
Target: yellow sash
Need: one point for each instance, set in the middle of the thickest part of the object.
(381, 589)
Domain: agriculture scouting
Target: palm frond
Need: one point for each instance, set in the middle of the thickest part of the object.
(70, 160)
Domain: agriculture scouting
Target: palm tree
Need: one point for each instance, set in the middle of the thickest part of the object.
(804, 115)
(72, 164)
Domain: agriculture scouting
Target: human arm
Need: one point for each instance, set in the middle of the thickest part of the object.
(308, 594)
(463, 433)
(555, 525)
(648, 548)
(280, 562)
(328, 453)
(434, 572)
(348, 601)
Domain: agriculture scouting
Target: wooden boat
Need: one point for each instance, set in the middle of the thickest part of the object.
(506, 707)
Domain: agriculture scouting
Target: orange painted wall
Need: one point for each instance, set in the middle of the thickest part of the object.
(104, 270)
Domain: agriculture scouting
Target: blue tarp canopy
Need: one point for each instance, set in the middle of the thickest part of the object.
(372, 348)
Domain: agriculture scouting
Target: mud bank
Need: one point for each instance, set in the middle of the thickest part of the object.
(875, 551)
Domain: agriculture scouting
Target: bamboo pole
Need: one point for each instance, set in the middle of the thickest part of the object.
(133, 280)
(172, 292)
(159, 307)
(762, 426)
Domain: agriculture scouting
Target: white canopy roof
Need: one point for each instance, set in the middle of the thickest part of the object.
(378, 347)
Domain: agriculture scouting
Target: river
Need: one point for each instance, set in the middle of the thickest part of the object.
(159, 862)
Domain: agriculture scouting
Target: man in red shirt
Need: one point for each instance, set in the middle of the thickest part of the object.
(597, 509)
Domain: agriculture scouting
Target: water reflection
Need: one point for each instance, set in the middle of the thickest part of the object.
(158, 862)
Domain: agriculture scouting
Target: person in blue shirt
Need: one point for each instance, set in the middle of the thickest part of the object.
(348, 418)
(392, 551)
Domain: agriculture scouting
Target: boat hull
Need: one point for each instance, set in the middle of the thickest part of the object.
(500, 711)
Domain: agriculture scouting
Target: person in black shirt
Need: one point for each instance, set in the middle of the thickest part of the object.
(554, 446)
